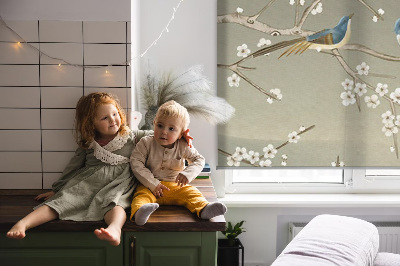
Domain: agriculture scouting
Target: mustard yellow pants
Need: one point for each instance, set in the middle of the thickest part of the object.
(187, 196)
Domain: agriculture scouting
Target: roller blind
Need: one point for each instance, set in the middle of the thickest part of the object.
(314, 83)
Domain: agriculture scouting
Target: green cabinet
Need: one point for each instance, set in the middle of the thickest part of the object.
(170, 248)
(59, 248)
(136, 249)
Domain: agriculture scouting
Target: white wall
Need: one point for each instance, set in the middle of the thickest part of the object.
(40, 135)
(71, 10)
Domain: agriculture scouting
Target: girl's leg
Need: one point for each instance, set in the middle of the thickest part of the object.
(39, 216)
(115, 218)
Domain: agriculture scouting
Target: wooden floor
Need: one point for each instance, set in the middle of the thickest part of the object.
(15, 204)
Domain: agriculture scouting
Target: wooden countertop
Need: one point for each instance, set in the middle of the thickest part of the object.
(15, 204)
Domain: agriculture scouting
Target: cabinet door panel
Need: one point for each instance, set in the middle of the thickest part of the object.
(171, 248)
(61, 249)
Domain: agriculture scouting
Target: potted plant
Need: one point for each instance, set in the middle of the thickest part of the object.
(228, 249)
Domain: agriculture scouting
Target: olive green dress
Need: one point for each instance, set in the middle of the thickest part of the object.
(96, 180)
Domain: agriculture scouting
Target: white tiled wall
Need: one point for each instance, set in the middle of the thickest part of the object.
(38, 96)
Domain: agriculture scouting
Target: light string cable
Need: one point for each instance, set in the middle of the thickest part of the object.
(164, 30)
(65, 62)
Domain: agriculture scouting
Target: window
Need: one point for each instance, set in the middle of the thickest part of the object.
(312, 181)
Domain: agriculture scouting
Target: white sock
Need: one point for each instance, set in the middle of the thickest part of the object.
(213, 209)
(144, 212)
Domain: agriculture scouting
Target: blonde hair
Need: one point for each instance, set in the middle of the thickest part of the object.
(86, 109)
(175, 110)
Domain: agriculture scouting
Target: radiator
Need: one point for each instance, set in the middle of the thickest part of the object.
(389, 235)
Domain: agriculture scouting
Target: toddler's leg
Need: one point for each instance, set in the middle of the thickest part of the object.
(187, 196)
(143, 205)
(115, 218)
(144, 212)
(39, 216)
(213, 209)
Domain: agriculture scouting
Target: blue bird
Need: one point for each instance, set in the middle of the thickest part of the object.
(327, 39)
(397, 29)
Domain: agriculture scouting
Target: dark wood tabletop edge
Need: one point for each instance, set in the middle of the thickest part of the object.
(188, 223)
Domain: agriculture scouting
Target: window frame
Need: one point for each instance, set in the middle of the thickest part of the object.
(354, 181)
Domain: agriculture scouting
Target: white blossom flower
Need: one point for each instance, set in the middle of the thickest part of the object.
(283, 163)
(270, 100)
(333, 164)
(348, 84)
(397, 122)
(263, 42)
(363, 69)
(253, 157)
(360, 89)
(241, 153)
(317, 10)
(387, 117)
(277, 93)
(348, 98)
(381, 11)
(269, 151)
(392, 149)
(265, 163)
(239, 10)
(375, 19)
(372, 101)
(302, 128)
(382, 89)
(291, 2)
(233, 160)
(395, 96)
(233, 80)
(302, 2)
(284, 156)
(341, 164)
(389, 129)
(243, 51)
(293, 137)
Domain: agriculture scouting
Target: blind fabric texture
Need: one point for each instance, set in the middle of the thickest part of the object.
(314, 83)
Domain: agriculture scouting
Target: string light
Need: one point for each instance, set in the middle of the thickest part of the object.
(164, 30)
(83, 66)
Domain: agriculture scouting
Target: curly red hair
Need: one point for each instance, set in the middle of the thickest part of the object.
(86, 109)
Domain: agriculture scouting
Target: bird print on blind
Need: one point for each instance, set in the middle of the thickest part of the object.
(397, 29)
(326, 39)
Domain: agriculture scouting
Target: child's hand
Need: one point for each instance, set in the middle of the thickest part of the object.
(158, 191)
(181, 180)
(45, 196)
(188, 138)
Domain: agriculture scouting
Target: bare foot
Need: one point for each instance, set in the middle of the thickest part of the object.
(17, 231)
(110, 234)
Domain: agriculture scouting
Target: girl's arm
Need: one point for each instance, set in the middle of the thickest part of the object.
(139, 134)
(76, 162)
(196, 162)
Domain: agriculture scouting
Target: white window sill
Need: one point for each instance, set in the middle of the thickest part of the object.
(311, 200)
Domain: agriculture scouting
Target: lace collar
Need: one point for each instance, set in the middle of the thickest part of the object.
(105, 153)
